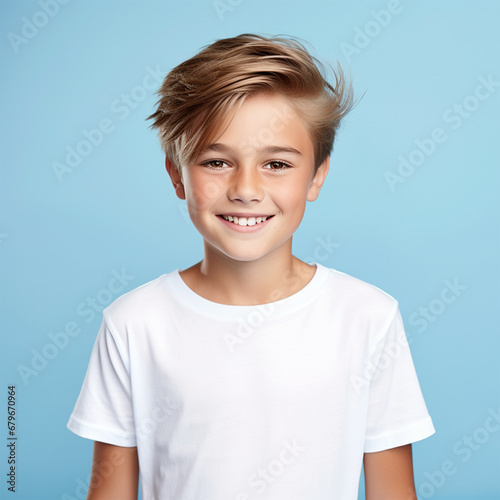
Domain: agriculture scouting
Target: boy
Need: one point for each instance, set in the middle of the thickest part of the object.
(251, 374)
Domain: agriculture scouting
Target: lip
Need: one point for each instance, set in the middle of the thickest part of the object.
(245, 214)
(244, 229)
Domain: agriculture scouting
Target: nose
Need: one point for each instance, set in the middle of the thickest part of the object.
(245, 185)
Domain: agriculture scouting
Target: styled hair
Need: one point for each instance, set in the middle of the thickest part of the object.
(197, 96)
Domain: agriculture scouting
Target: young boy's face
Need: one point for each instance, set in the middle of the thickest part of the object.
(259, 172)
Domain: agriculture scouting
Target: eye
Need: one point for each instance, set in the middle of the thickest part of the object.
(279, 166)
(215, 164)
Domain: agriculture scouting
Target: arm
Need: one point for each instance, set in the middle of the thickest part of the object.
(389, 474)
(115, 473)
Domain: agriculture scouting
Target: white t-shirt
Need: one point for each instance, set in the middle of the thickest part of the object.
(276, 401)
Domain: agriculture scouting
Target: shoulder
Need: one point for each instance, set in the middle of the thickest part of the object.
(361, 310)
(357, 296)
(139, 302)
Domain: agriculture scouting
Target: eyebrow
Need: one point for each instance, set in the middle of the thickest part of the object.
(222, 148)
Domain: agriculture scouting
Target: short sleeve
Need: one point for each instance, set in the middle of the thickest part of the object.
(397, 414)
(104, 411)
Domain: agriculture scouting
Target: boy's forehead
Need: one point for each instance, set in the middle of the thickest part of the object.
(219, 147)
(266, 123)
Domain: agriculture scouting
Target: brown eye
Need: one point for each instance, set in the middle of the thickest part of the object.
(278, 165)
(215, 164)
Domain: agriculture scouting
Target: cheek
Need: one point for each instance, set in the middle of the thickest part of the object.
(292, 204)
(202, 191)
(298, 204)
(297, 195)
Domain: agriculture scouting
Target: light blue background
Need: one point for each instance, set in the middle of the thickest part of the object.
(61, 241)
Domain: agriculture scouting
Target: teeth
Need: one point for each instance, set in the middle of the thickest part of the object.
(244, 221)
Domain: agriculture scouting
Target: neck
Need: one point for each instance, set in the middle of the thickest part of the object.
(268, 279)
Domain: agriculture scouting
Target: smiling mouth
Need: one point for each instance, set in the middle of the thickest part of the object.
(245, 221)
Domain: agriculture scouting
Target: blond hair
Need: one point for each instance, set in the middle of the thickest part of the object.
(197, 95)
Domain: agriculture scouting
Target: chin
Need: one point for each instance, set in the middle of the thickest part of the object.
(244, 257)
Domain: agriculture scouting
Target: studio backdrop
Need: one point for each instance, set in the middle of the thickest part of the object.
(411, 203)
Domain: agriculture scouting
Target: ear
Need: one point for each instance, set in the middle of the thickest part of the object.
(176, 179)
(318, 179)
